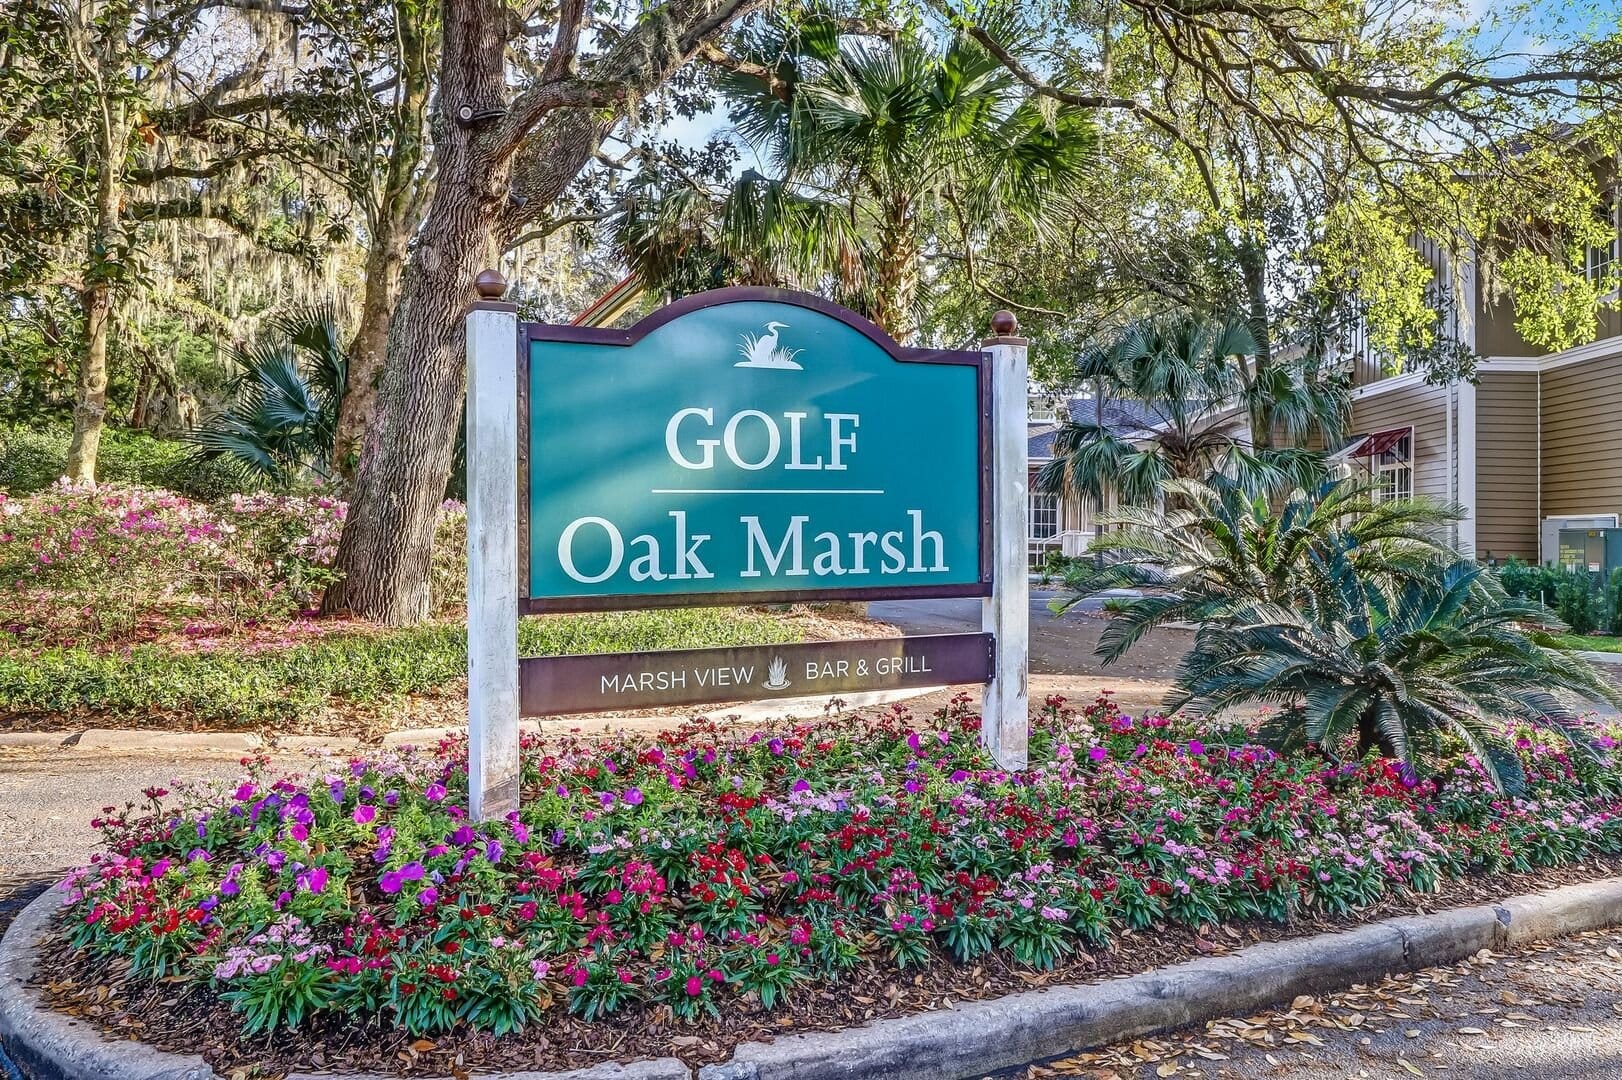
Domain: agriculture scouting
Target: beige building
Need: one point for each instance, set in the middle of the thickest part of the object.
(1532, 447)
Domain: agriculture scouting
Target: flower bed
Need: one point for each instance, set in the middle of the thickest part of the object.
(710, 874)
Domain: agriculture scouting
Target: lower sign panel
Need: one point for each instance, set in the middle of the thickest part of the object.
(562, 685)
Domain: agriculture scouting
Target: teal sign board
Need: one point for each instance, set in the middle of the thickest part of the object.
(749, 445)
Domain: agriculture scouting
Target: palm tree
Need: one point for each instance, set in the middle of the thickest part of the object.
(879, 145)
(1190, 381)
(1221, 546)
(282, 419)
(1399, 666)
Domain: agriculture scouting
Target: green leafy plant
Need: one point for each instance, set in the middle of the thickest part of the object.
(1222, 546)
(283, 415)
(1398, 669)
(1188, 378)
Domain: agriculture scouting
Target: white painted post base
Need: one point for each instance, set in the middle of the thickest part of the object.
(1006, 613)
(492, 553)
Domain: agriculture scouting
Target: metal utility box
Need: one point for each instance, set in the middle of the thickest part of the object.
(1598, 551)
(1552, 546)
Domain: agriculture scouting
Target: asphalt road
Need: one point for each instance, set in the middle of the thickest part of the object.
(1060, 644)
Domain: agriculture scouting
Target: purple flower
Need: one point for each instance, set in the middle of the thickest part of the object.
(428, 897)
(1098, 753)
(492, 852)
(776, 747)
(228, 887)
(633, 796)
(363, 814)
(244, 792)
(463, 836)
(520, 830)
(337, 790)
(435, 792)
(801, 785)
(607, 799)
(958, 776)
(1196, 748)
(392, 881)
(313, 880)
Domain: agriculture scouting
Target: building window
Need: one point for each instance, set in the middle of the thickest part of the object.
(1393, 470)
(1042, 517)
(1042, 410)
(1599, 263)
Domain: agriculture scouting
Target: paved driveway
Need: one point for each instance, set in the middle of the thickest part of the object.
(1060, 644)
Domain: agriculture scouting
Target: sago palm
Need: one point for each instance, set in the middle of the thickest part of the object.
(1220, 546)
(1399, 665)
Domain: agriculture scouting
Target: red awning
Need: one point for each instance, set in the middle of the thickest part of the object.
(1378, 443)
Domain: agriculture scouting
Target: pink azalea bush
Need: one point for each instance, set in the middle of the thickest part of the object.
(712, 868)
(84, 563)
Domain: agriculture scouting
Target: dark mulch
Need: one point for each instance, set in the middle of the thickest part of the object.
(175, 1016)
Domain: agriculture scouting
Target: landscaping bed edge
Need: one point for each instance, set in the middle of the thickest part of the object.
(970, 1040)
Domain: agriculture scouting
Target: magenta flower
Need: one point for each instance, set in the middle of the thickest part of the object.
(435, 792)
(363, 814)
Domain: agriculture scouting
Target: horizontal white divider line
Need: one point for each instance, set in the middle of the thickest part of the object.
(766, 491)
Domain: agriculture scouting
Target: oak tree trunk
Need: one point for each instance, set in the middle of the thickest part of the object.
(96, 300)
(399, 204)
(385, 264)
(387, 542)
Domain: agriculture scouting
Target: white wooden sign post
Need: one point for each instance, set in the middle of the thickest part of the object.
(492, 552)
(1006, 613)
(965, 507)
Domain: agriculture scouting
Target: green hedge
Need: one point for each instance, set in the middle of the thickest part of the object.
(279, 685)
(31, 459)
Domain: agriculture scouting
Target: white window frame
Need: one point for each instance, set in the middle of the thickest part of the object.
(1038, 506)
(1395, 479)
(1042, 410)
(1600, 262)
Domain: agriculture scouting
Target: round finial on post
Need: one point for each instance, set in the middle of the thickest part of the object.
(1003, 324)
(490, 285)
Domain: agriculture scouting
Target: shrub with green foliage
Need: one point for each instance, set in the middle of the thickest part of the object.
(32, 459)
(1346, 614)
(1586, 602)
(121, 564)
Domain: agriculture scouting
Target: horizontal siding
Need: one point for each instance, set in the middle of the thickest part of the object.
(1507, 466)
(1425, 409)
(1582, 438)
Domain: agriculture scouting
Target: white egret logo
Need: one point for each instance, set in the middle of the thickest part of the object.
(762, 350)
(777, 675)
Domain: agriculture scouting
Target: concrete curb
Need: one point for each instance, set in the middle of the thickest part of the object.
(966, 1041)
